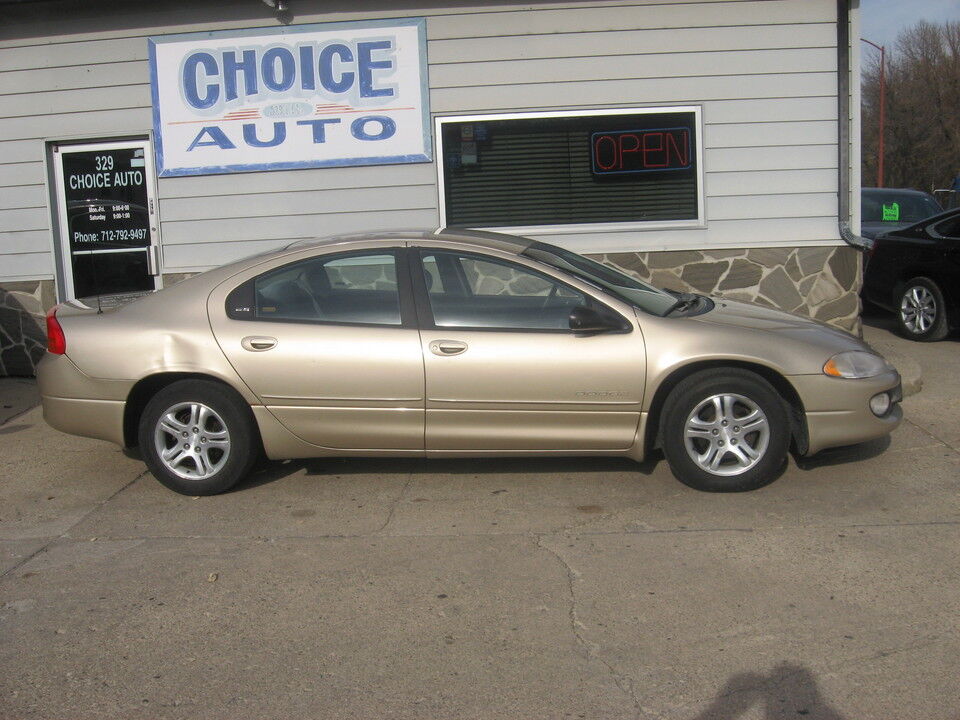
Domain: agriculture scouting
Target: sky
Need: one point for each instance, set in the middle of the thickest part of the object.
(882, 20)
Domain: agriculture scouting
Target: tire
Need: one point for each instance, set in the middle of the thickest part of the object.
(197, 437)
(921, 311)
(705, 442)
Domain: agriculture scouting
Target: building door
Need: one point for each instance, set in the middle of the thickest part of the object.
(108, 226)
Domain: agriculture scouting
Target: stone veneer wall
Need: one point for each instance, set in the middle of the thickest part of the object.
(23, 329)
(818, 282)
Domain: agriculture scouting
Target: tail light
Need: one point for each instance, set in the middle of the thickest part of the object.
(56, 340)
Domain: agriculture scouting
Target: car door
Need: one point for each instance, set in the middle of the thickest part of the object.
(329, 344)
(947, 256)
(504, 372)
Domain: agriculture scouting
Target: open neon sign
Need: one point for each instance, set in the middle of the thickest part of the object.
(638, 151)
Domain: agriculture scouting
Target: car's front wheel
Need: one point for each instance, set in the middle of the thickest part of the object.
(725, 431)
(923, 314)
(197, 437)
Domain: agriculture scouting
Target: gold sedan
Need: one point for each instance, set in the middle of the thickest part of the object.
(454, 344)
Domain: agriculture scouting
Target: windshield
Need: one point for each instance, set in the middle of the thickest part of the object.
(891, 207)
(630, 290)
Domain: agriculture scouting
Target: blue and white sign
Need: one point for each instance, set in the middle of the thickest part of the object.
(291, 97)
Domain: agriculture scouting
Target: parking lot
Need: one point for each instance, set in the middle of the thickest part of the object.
(565, 588)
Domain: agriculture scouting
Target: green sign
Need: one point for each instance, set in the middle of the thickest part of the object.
(891, 212)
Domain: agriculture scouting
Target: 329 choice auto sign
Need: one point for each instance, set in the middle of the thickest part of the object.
(291, 97)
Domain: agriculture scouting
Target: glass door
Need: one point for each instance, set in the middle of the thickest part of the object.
(109, 232)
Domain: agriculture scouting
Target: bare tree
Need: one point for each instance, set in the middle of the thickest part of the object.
(923, 108)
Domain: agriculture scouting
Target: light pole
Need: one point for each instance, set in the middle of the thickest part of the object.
(883, 107)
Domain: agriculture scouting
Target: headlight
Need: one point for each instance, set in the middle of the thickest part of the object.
(855, 364)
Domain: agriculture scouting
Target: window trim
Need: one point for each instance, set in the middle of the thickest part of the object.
(425, 309)
(698, 223)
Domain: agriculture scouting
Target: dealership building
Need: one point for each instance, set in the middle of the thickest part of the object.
(704, 145)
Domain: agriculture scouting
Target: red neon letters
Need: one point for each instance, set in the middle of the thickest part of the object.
(633, 151)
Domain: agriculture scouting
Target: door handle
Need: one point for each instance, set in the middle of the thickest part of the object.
(447, 347)
(258, 343)
(153, 260)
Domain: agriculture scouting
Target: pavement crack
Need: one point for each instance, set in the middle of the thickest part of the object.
(934, 436)
(65, 535)
(395, 503)
(590, 649)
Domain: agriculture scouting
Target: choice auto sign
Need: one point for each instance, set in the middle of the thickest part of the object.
(291, 97)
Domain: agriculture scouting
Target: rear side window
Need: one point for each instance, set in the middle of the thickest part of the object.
(353, 289)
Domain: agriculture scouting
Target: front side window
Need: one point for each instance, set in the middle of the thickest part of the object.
(355, 289)
(541, 169)
(488, 293)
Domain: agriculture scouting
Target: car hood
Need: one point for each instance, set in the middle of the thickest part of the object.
(747, 316)
(872, 229)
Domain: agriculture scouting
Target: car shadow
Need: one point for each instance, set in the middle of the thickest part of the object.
(847, 454)
(877, 318)
(270, 471)
(10, 429)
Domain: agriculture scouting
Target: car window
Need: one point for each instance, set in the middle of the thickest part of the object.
(358, 288)
(949, 228)
(891, 207)
(476, 292)
(431, 275)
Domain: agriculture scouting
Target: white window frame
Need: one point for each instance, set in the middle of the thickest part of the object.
(700, 222)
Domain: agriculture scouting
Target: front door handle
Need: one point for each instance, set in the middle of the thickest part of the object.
(447, 347)
(258, 343)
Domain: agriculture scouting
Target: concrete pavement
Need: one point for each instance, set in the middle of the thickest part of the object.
(487, 589)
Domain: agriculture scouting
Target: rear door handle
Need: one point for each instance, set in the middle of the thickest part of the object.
(258, 343)
(447, 347)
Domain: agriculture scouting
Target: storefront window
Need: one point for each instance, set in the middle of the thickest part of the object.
(594, 167)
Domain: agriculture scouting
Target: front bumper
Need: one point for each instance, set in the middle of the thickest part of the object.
(838, 410)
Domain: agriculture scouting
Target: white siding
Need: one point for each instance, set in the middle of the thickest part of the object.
(764, 72)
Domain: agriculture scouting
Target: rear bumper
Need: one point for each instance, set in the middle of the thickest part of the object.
(77, 404)
(100, 419)
(838, 411)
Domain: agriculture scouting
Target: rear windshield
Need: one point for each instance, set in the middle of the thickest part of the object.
(893, 208)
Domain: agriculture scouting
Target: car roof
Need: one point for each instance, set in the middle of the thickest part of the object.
(496, 241)
(893, 191)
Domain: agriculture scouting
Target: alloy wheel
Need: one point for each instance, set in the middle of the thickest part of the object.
(726, 434)
(918, 309)
(192, 440)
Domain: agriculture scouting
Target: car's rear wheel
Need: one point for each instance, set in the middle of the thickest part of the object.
(923, 314)
(725, 430)
(197, 437)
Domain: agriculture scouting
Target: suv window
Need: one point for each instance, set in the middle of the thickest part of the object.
(357, 288)
(895, 207)
(474, 292)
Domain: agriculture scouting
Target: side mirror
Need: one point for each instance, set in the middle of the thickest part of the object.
(585, 319)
